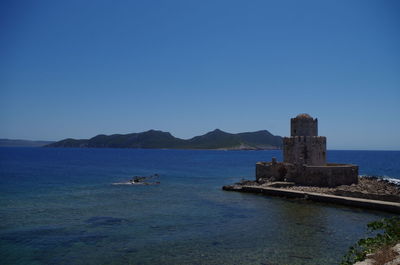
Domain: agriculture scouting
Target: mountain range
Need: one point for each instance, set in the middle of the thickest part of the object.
(216, 139)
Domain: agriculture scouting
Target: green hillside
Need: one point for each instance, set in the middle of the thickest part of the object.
(216, 139)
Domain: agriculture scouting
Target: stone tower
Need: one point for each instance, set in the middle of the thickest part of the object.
(303, 125)
(304, 154)
(304, 147)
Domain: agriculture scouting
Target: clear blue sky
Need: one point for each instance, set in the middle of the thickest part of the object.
(81, 68)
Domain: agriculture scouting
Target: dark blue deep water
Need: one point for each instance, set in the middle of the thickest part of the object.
(58, 206)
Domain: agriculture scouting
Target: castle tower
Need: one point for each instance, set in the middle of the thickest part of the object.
(304, 159)
(304, 147)
(303, 125)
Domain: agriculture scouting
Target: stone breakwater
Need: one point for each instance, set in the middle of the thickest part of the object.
(367, 188)
(369, 192)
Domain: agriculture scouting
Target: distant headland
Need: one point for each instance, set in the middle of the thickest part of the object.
(153, 139)
(23, 143)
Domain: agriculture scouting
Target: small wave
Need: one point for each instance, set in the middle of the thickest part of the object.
(392, 180)
(395, 181)
(127, 183)
(136, 183)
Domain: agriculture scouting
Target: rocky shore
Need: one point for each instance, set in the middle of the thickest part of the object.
(389, 256)
(368, 187)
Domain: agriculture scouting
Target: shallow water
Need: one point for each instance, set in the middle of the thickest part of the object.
(58, 206)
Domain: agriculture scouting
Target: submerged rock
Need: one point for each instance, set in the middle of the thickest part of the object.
(104, 220)
(141, 180)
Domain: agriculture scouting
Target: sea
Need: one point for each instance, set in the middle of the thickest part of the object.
(60, 206)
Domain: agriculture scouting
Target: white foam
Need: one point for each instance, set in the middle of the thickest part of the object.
(127, 183)
(392, 180)
(387, 178)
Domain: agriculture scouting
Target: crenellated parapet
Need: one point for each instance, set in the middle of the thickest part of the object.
(304, 139)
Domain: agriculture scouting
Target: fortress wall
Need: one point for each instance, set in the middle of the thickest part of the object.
(328, 176)
(272, 171)
(310, 150)
(331, 175)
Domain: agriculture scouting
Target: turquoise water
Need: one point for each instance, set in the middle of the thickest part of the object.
(58, 206)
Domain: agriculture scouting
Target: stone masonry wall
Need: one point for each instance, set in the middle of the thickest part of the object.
(331, 175)
(272, 171)
(310, 150)
(303, 127)
(328, 176)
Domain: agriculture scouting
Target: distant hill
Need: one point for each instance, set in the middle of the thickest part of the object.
(216, 139)
(23, 143)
